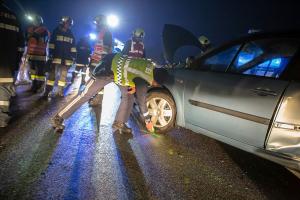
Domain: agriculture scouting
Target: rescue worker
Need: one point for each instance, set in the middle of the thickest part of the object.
(83, 59)
(62, 53)
(134, 48)
(102, 47)
(37, 37)
(11, 50)
(117, 68)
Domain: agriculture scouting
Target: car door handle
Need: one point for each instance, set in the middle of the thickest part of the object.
(264, 92)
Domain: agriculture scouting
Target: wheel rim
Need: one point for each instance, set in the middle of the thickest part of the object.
(160, 111)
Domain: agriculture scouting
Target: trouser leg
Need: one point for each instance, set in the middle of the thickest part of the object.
(34, 75)
(7, 90)
(124, 110)
(50, 80)
(83, 75)
(60, 78)
(40, 74)
(110, 104)
(4, 105)
(141, 94)
(62, 81)
(23, 76)
(92, 88)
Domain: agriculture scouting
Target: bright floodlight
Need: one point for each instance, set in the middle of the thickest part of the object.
(93, 36)
(112, 20)
(29, 17)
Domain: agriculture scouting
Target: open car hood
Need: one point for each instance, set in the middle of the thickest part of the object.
(175, 37)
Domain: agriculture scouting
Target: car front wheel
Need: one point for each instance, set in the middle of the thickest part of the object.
(162, 110)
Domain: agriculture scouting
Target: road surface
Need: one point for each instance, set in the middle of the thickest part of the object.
(82, 163)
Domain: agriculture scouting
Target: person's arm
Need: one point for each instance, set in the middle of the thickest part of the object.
(52, 43)
(73, 49)
(126, 48)
(107, 41)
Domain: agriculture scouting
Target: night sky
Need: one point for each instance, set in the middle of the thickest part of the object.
(219, 20)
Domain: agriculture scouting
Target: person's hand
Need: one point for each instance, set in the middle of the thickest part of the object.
(154, 84)
(131, 90)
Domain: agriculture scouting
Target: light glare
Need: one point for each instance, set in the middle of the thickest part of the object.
(112, 21)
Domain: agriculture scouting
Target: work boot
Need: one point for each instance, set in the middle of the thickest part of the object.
(58, 123)
(121, 128)
(95, 101)
(4, 119)
(149, 126)
(34, 87)
(41, 89)
(47, 91)
(60, 91)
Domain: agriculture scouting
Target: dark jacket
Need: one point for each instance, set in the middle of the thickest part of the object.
(83, 52)
(104, 68)
(11, 39)
(62, 47)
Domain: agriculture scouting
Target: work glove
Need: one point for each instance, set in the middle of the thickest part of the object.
(131, 90)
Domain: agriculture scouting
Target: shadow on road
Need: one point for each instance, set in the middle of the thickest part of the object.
(133, 177)
(265, 174)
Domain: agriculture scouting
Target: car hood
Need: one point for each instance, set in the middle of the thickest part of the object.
(175, 37)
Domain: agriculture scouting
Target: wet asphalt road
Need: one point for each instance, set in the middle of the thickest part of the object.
(82, 163)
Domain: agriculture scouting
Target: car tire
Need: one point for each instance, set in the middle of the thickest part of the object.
(163, 115)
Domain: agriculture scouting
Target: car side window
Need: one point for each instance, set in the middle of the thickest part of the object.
(220, 61)
(267, 58)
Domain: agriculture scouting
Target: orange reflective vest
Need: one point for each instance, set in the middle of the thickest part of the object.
(100, 49)
(37, 39)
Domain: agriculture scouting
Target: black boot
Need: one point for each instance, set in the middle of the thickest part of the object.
(34, 86)
(48, 91)
(58, 123)
(121, 128)
(95, 101)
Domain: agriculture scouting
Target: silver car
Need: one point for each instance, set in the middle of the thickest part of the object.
(245, 93)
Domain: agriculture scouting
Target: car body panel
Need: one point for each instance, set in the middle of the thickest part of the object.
(284, 135)
(226, 104)
(176, 87)
(248, 112)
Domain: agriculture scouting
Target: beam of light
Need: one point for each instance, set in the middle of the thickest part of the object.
(112, 21)
(93, 36)
(29, 17)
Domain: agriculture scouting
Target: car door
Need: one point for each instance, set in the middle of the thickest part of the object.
(235, 92)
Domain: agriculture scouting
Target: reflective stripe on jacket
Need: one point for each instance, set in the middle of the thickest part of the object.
(136, 49)
(62, 46)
